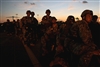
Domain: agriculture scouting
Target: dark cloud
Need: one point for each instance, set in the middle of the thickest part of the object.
(29, 3)
(25, 2)
(32, 3)
(84, 2)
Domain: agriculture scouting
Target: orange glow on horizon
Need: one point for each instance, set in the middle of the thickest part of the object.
(4, 19)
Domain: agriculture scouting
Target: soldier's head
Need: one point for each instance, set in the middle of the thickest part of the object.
(18, 20)
(71, 19)
(48, 12)
(28, 12)
(53, 19)
(95, 17)
(8, 20)
(87, 15)
(14, 21)
(32, 13)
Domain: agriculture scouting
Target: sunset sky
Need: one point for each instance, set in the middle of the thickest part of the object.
(59, 8)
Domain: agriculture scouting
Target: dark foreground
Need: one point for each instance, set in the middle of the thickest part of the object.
(13, 53)
(16, 54)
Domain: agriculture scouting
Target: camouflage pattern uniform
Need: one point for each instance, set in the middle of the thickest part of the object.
(81, 43)
(48, 44)
(33, 30)
(26, 21)
(64, 32)
(65, 28)
(46, 22)
(46, 19)
(48, 41)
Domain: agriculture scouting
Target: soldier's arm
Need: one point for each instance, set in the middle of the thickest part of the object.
(73, 31)
(43, 19)
(43, 43)
(36, 21)
(85, 35)
(21, 22)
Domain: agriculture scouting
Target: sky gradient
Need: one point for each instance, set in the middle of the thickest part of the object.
(61, 9)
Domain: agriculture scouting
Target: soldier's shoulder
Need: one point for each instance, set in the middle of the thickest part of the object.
(78, 22)
(63, 25)
(23, 17)
(35, 18)
(51, 16)
(44, 16)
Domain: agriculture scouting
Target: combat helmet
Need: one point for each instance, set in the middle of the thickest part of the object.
(86, 12)
(28, 11)
(48, 11)
(32, 13)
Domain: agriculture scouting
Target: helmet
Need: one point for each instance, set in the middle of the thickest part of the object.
(32, 13)
(71, 17)
(28, 11)
(86, 12)
(54, 18)
(48, 11)
(95, 16)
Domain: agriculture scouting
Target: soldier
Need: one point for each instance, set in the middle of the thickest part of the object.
(48, 40)
(33, 29)
(95, 30)
(64, 28)
(8, 27)
(16, 27)
(81, 42)
(26, 21)
(34, 20)
(46, 20)
(50, 36)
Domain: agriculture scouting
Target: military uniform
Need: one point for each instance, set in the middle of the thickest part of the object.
(46, 19)
(80, 42)
(17, 28)
(26, 22)
(48, 41)
(65, 28)
(33, 30)
(64, 32)
(46, 22)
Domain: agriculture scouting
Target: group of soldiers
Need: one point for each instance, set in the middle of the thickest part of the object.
(71, 39)
(60, 43)
(29, 26)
